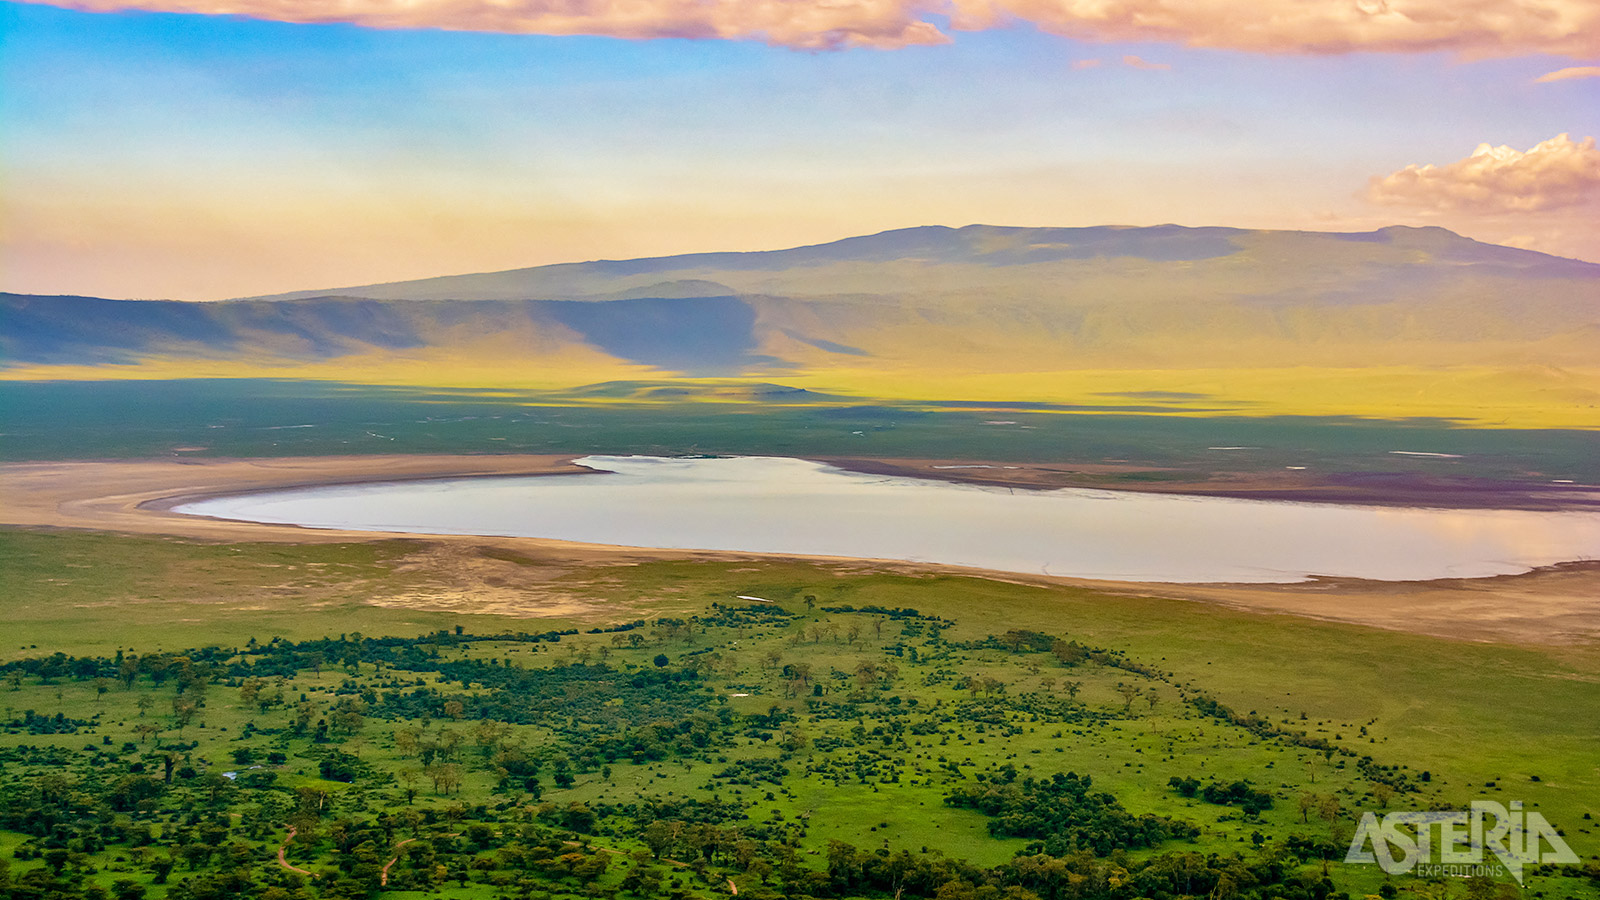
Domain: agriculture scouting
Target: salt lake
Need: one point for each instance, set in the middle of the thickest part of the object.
(798, 507)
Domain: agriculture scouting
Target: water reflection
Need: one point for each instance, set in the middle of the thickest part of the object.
(792, 506)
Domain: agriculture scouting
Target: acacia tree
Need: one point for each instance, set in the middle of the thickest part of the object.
(405, 741)
(1306, 802)
(1328, 810)
(793, 740)
(183, 712)
(488, 734)
(660, 835)
(128, 670)
(1381, 792)
(446, 777)
(984, 684)
(409, 776)
(1130, 693)
(250, 691)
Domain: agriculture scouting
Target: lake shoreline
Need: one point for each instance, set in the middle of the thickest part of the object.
(794, 507)
(1552, 605)
(1346, 489)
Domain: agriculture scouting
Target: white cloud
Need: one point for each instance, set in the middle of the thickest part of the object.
(1555, 174)
(1473, 28)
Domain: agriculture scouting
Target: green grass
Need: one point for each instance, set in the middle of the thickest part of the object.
(1471, 712)
(81, 592)
(1468, 713)
(261, 417)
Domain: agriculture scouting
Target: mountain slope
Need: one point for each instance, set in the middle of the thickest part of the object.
(980, 312)
(978, 255)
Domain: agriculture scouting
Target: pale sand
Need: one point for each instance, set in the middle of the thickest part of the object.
(1557, 605)
(135, 497)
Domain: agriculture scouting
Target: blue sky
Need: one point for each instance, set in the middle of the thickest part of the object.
(151, 154)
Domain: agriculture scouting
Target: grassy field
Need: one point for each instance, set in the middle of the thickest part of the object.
(893, 714)
(130, 419)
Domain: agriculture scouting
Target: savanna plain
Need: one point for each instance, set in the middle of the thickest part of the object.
(198, 709)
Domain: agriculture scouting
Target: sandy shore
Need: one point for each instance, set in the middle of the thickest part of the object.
(135, 497)
(1555, 605)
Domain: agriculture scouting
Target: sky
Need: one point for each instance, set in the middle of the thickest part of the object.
(207, 149)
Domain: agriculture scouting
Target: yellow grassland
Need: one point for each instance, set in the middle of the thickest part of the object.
(1510, 396)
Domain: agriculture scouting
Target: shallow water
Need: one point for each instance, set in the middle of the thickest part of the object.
(791, 506)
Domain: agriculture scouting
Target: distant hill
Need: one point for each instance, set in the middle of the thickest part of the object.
(990, 257)
(980, 311)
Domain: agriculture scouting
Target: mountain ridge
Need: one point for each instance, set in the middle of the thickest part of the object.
(1351, 322)
(1091, 242)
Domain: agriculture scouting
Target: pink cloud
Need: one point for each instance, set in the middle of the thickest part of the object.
(1557, 173)
(833, 25)
(1137, 63)
(1081, 64)
(1472, 28)
(1569, 72)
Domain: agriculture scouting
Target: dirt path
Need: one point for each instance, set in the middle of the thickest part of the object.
(383, 877)
(282, 850)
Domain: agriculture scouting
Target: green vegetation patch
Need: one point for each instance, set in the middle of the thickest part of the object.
(858, 734)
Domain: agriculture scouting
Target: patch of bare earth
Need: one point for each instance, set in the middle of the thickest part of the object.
(475, 578)
(1555, 605)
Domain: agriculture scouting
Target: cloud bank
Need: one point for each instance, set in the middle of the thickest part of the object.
(1472, 28)
(1554, 174)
